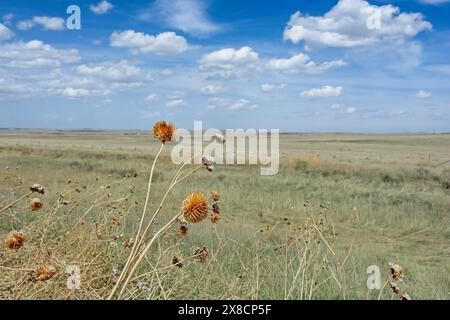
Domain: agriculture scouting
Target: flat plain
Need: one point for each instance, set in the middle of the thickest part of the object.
(378, 199)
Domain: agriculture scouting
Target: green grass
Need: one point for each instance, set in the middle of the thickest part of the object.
(387, 202)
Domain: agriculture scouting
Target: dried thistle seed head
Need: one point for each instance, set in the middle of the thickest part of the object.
(215, 217)
(396, 271)
(195, 207)
(37, 188)
(201, 254)
(164, 131)
(36, 204)
(44, 273)
(216, 208)
(215, 196)
(15, 240)
(218, 138)
(183, 231)
(208, 160)
(177, 262)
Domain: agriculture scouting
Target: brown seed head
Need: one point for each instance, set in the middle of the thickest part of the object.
(164, 131)
(396, 271)
(215, 196)
(36, 204)
(195, 207)
(215, 217)
(44, 273)
(201, 254)
(15, 240)
(37, 188)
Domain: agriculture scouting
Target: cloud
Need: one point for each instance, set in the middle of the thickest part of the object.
(5, 33)
(242, 104)
(231, 104)
(47, 23)
(267, 87)
(81, 92)
(325, 91)
(230, 63)
(211, 89)
(351, 110)
(34, 68)
(34, 54)
(216, 102)
(228, 59)
(302, 63)
(353, 23)
(151, 114)
(161, 44)
(423, 94)
(121, 71)
(7, 19)
(189, 16)
(101, 8)
(175, 103)
(151, 97)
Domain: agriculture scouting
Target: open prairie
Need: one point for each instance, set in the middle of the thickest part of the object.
(339, 204)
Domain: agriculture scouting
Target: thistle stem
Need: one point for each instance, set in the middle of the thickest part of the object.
(13, 203)
(138, 234)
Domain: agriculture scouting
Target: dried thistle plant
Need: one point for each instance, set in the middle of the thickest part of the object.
(194, 209)
(15, 240)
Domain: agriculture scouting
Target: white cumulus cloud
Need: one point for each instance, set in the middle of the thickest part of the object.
(325, 91)
(189, 16)
(302, 63)
(423, 94)
(175, 103)
(211, 89)
(47, 23)
(267, 87)
(101, 8)
(138, 42)
(5, 33)
(352, 23)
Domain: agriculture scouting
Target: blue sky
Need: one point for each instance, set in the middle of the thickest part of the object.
(348, 65)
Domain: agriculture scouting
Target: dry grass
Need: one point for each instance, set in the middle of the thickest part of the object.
(308, 233)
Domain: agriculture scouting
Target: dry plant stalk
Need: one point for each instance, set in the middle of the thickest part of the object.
(195, 209)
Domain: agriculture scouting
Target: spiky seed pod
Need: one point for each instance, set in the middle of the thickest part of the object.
(36, 204)
(44, 273)
(396, 271)
(215, 196)
(215, 217)
(164, 131)
(209, 162)
(15, 240)
(195, 207)
(37, 188)
(201, 254)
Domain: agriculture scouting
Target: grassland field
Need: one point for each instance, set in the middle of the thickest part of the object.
(387, 199)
